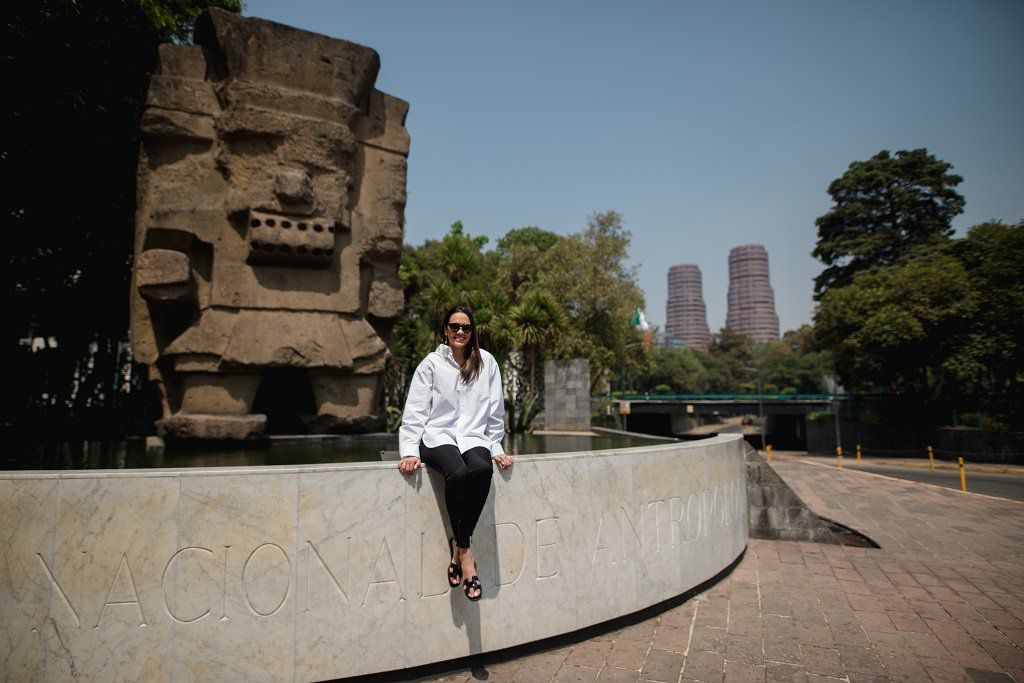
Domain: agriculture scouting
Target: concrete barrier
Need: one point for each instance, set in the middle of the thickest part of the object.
(325, 571)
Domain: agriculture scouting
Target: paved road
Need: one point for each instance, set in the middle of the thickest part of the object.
(1010, 486)
(992, 479)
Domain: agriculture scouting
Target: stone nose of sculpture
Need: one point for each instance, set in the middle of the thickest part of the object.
(294, 188)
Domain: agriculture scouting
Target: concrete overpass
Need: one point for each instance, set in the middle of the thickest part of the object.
(681, 414)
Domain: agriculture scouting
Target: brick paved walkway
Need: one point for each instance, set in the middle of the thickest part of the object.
(942, 600)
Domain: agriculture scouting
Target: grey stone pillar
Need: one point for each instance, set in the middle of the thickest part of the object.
(567, 395)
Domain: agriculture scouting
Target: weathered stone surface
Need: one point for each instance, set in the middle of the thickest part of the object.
(385, 126)
(293, 186)
(163, 275)
(263, 143)
(213, 427)
(567, 394)
(162, 267)
(386, 298)
(172, 124)
(315, 572)
(183, 61)
(776, 511)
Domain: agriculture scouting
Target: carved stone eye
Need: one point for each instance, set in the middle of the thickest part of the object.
(286, 224)
(317, 251)
(302, 226)
(271, 222)
(255, 222)
(285, 249)
(318, 228)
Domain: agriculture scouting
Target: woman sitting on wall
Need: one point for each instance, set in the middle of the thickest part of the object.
(453, 420)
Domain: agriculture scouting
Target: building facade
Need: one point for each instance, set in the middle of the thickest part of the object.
(751, 298)
(686, 318)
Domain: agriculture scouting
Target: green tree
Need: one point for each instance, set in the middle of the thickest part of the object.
(793, 364)
(589, 275)
(728, 354)
(678, 369)
(522, 255)
(533, 321)
(894, 327)
(536, 296)
(883, 210)
(991, 357)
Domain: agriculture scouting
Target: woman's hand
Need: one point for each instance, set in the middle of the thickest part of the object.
(504, 461)
(408, 464)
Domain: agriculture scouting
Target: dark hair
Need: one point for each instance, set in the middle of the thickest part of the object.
(470, 368)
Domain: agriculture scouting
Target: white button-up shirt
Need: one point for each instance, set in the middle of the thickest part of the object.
(442, 409)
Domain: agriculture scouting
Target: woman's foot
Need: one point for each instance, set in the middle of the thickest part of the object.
(454, 568)
(472, 589)
(471, 584)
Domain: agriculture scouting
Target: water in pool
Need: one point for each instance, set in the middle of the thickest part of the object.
(132, 454)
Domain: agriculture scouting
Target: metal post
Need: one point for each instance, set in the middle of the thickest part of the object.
(760, 408)
(835, 411)
(931, 458)
(963, 479)
(858, 454)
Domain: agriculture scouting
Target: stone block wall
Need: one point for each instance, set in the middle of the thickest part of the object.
(567, 395)
(317, 572)
(775, 511)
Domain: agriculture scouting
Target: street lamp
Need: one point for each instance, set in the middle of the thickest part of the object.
(760, 404)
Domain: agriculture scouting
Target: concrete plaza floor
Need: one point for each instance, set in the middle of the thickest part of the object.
(942, 600)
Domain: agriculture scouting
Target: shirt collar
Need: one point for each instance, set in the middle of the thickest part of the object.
(446, 353)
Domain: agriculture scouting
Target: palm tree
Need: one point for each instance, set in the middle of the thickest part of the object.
(532, 321)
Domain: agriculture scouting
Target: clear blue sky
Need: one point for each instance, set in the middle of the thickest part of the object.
(706, 125)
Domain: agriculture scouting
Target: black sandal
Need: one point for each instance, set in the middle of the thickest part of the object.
(473, 584)
(454, 569)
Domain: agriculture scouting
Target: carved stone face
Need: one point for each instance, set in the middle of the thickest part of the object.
(269, 224)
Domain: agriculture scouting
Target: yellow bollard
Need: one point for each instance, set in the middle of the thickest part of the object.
(963, 480)
(858, 454)
(768, 449)
(839, 456)
(931, 458)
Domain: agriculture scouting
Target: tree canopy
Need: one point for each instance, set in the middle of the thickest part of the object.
(883, 210)
(536, 296)
(75, 74)
(734, 364)
(906, 309)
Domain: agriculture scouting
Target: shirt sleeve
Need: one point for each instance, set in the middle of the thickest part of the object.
(496, 415)
(417, 408)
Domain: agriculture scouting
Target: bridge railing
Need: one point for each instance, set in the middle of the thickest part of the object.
(719, 397)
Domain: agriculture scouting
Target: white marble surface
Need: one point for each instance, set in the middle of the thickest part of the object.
(326, 571)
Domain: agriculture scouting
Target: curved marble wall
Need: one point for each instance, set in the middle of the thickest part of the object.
(317, 572)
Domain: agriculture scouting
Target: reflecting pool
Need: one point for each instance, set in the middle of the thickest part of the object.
(132, 454)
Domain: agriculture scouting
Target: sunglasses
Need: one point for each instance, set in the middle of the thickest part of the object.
(455, 327)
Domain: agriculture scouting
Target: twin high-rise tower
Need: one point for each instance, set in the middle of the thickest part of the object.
(687, 317)
(751, 300)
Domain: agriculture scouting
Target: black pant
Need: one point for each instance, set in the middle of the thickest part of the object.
(467, 481)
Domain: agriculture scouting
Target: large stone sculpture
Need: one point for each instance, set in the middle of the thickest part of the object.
(269, 226)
